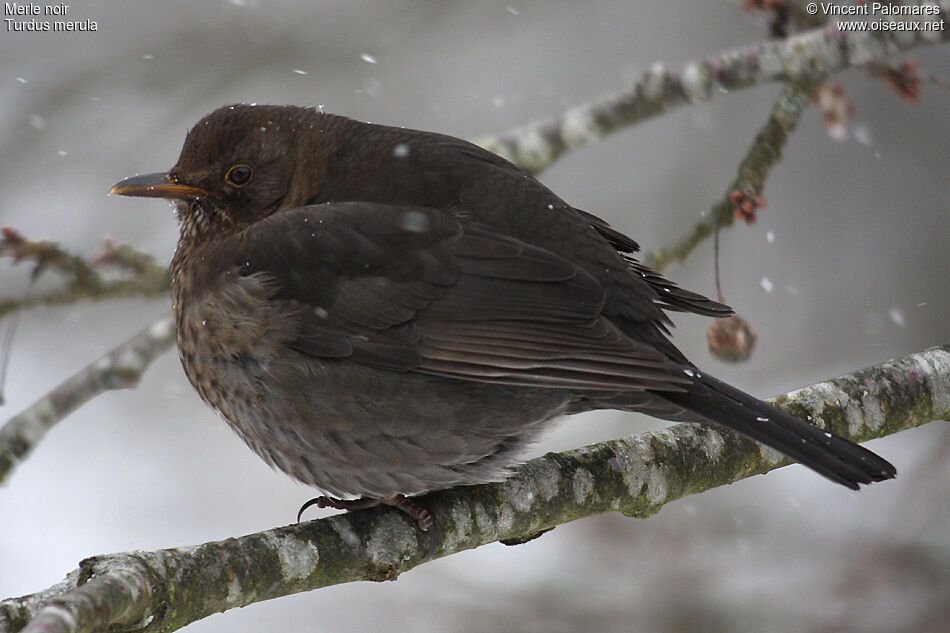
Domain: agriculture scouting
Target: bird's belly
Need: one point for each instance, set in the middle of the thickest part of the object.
(352, 430)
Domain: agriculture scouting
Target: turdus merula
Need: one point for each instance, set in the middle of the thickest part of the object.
(381, 312)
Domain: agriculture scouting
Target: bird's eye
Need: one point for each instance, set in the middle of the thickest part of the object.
(238, 175)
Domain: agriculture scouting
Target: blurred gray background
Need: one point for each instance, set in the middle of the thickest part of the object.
(857, 263)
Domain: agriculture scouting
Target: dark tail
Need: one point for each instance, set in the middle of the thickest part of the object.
(836, 458)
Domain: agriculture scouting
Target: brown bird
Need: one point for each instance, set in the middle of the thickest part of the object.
(381, 312)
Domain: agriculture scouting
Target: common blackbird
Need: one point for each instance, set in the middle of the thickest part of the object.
(380, 312)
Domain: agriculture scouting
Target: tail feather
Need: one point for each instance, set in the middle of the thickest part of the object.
(836, 458)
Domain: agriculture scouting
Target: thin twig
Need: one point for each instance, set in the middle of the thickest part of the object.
(6, 348)
(119, 369)
(148, 279)
(719, 295)
(45, 254)
(754, 169)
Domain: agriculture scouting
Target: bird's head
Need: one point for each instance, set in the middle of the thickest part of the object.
(238, 165)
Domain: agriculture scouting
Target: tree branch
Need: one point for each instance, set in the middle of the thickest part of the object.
(764, 152)
(119, 369)
(822, 50)
(167, 589)
(148, 277)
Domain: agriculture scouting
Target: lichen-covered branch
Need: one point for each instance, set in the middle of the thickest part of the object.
(822, 50)
(119, 369)
(167, 589)
(764, 152)
(147, 277)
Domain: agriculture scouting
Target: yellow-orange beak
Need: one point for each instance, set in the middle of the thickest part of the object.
(157, 185)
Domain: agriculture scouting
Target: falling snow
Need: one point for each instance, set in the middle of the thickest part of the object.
(414, 222)
(862, 134)
(897, 316)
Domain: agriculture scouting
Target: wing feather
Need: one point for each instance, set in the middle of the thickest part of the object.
(410, 289)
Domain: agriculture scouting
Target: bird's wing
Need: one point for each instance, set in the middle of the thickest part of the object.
(669, 296)
(410, 289)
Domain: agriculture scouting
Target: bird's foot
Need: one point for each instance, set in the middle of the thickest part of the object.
(339, 504)
(420, 515)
